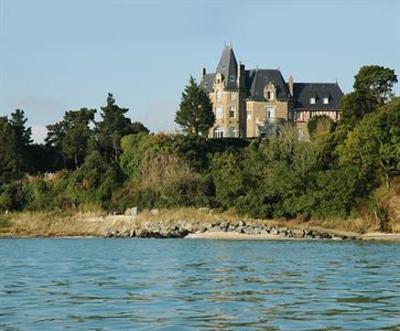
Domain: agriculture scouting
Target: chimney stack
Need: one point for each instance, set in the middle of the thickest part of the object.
(290, 84)
(240, 74)
(202, 74)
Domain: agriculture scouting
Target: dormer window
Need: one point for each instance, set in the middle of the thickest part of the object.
(269, 91)
(218, 78)
(312, 100)
(326, 101)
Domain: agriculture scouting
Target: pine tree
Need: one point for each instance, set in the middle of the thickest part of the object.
(22, 136)
(72, 135)
(195, 113)
(112, 128)
(8, 152)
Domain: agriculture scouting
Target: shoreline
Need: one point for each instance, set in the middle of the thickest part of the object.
(229, 236)
(182, 223)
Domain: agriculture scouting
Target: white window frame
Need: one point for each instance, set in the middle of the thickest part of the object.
(233, 96)
(248, 115)
(232, 132)
(219, 132)
(312, 100)
(326, 101)
(270, 112)
(219, 113)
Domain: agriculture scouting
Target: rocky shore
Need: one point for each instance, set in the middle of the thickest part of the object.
(221, 230)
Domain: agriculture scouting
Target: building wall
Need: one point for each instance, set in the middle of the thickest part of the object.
(227, 101)
(306, 115)
(256, 114)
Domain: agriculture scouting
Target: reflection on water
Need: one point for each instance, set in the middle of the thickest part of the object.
(99, 284)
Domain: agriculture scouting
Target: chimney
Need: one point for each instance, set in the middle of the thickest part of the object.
(240, 74)
(202, 74)
(290, 84)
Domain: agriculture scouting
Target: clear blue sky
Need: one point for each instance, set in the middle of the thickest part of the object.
(61, 55)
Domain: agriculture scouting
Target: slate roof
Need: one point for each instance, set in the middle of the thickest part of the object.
(208, 82)
(303, 92)
(257, 79)
(228, 68)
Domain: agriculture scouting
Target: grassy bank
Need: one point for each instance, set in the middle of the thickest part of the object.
(97, 223)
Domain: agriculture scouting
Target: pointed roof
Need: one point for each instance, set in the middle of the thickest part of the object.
(228, 67)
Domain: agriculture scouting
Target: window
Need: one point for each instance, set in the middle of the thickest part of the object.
(270, 112)
(232, 79)
(312, 100)
(233, 96)
(232, 132)
(219, 113)
(232, 111)
(218, 133)
(326, 101)
(248, 115)
(218, 96)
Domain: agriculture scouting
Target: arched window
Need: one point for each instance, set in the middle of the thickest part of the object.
(218, 132)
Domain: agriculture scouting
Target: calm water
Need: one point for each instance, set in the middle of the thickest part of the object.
(117, 284)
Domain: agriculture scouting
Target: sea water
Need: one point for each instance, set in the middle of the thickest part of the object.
(190, 284)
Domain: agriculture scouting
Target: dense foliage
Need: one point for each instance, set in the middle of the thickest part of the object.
(114, 164)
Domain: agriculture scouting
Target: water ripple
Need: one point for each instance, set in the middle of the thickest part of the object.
(144, 284)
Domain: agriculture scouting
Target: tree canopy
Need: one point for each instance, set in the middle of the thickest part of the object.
(195, 113)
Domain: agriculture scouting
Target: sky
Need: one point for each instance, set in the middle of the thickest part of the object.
(64, 55)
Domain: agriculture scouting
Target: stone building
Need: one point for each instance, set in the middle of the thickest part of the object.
(247, 103)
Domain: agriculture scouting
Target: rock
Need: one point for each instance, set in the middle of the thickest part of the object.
(298, 233)
(204, 209)
(214, 228)
(154, 212)
(239, 229)
(134, 211)
(132, 233)
(274, 231)
(232, 227)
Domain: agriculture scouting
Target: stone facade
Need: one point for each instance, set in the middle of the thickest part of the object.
(248, 103)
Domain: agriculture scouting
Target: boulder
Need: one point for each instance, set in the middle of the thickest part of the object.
(274, 231)
(134, 211)
(154, 212)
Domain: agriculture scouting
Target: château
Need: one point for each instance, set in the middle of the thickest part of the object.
(248, 102)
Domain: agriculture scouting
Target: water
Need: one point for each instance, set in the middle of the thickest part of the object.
(148, 284)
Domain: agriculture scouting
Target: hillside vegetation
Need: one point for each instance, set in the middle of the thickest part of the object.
(348, 171)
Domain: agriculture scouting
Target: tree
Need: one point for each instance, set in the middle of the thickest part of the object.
(77, 134)
(320, 126)
(195, 113)
(8, 151)
(112, 128)
(373, 145)
(22, 136)
(72, 135)
(22, 133)
(138, 127)
(376, 83)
